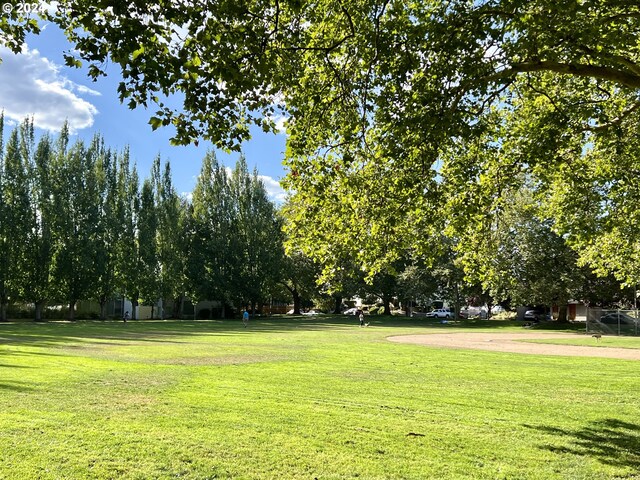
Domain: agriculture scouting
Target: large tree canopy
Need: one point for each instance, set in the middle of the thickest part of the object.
(355, 65)
(399, 111)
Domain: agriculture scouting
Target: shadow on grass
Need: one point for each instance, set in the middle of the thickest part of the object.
(14, 387)
(64, 334)
(107, 333)
(94, 332)
(611, 441)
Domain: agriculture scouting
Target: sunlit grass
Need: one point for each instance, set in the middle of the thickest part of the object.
(304, 398)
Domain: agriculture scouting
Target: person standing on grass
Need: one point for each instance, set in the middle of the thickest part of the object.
(125, 317)
(361, 317)
(245, 318)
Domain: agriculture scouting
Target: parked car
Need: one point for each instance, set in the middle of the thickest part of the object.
(616, 318)
(471, 312)
(537, 315)
(350, 311)
(440, 313)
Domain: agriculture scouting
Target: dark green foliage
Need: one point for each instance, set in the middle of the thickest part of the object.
(147, 232)
(235, 241)
(76, 221)
(75, 224)
(15, 221)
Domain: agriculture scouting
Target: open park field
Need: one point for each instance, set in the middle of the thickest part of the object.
(308, 398)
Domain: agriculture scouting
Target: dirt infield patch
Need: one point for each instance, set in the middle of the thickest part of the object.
(512, 342)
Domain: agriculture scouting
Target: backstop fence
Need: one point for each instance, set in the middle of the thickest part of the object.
(613, 322)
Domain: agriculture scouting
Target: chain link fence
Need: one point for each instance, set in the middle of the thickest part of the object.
(613, 322)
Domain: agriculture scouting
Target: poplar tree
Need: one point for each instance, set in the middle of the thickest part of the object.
(38, 278)
(210, 257)
(107, 229)
(170, 238)
(128, 263)
(235, 253)
(258, 250)
(147, 230)
(76, 218)
(17, 213)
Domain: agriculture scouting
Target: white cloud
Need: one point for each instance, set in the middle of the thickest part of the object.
(281, 124)
(273, 188)
(85, 90)
(31, 85)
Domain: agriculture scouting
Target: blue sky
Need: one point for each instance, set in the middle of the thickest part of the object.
(38, 83)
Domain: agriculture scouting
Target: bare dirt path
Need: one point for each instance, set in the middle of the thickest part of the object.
(512, 342)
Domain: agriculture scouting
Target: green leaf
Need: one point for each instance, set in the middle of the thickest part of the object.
(72, 62)
(155, 123)
(138, 52)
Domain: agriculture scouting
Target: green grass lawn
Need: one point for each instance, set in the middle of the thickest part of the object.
(304, 398)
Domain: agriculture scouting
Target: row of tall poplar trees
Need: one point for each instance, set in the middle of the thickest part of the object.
(77, 224)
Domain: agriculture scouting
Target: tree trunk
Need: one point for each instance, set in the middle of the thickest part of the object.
(177, 307)
(4, 304)
(103, 308)
(223, 312)
(152, 307)
(338, 304)
(72, 311)
(134, 308)
(562, 313)
(39, 306)
(297, 302)
(296, 297)
(387, 308)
